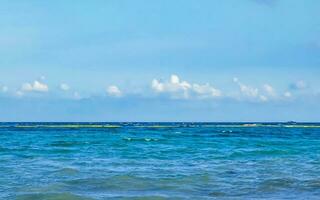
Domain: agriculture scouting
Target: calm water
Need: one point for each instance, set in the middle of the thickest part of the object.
(159, 161)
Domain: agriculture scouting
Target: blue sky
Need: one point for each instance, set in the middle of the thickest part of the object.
(161, 60)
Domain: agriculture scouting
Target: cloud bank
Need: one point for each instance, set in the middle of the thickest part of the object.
(172, 88)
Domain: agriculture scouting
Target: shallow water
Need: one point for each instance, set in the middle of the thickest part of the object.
(54, 161)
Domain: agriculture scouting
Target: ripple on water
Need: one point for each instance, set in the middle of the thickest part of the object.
(151, 197)
(119, 182)
(261, 153)
(67, 171)
(314, 184)
(52, 196)
(67, 143)
(272, 185)
(128, 183)
(189, 162)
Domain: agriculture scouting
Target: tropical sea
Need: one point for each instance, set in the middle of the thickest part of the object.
(84, 161)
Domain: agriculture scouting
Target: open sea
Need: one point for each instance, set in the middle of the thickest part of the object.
(86, 161)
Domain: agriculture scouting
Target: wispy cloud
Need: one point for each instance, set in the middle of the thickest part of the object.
(246, 90)
(254, 93)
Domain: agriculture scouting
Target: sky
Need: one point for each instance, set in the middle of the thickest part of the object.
(160, 60)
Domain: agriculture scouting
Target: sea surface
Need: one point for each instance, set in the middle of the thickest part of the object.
(86, 161)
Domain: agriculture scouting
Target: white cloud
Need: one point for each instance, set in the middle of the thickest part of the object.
(157, 85)
(64, 87)
(183, 89)
(206, 90)
(36, 86)
(175, 79)
(269, 90)
(178, 89)
(249, 91)
(114, 91)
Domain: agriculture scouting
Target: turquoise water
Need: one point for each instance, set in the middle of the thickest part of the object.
(159, 161)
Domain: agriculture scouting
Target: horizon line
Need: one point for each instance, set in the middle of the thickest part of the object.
(250, 122)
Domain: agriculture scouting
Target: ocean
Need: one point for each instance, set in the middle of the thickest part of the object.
(86, 161)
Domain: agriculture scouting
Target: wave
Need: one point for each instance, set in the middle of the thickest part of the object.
(140, 139)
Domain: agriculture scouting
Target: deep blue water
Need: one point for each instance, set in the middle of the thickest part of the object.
(63, 161)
